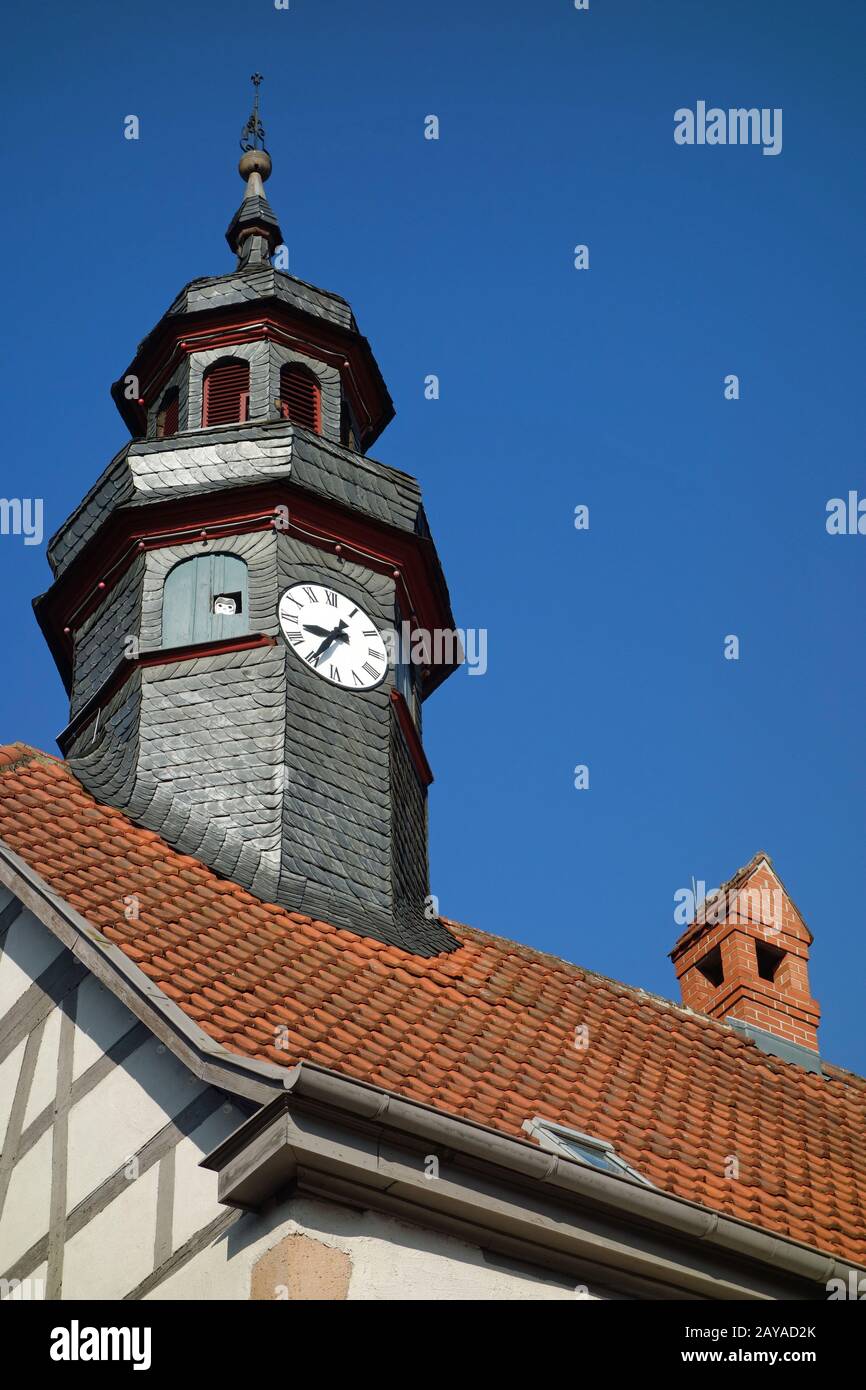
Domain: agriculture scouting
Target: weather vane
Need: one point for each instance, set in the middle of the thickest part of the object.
(253, 133)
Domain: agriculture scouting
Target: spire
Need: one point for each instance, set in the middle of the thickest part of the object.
(254, 232)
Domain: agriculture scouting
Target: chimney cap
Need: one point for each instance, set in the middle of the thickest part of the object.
(700, 925)
(740, 959)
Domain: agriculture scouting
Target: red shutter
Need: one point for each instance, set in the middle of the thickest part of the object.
(170, 414)
(301, 397)
(226, 393)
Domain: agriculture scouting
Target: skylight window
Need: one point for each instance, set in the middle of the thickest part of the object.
(595, 1153)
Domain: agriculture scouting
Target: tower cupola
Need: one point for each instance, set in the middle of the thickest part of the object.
(227, 597)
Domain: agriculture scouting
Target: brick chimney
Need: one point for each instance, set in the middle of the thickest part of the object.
(745, 957)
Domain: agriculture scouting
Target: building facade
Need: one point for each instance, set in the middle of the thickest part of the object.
(241, 1056)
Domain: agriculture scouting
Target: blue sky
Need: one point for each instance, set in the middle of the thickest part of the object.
(558, 387)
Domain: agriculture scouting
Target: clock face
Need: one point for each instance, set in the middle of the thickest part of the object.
(332, 636)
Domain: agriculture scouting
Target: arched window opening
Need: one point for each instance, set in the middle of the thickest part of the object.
(205, 598)
(226, 392)
(168, 415)
(300, 397)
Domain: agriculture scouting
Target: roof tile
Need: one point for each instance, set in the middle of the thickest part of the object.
(486, 1032)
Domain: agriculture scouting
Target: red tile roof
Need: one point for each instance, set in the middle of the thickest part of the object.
(486, 1032)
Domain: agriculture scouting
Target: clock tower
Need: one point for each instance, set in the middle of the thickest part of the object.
(226, 596)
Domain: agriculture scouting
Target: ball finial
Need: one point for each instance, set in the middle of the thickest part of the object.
(255, 162)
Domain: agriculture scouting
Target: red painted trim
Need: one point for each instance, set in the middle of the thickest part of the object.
(413, 741)
(165, 656)
(162, 350)
(129, 531)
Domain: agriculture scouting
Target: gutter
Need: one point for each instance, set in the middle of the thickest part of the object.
(328, 1135)
(346, 1140)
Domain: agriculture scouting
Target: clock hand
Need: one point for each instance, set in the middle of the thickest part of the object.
(335, 635)
(319, 653)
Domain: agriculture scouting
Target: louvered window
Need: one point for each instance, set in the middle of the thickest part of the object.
(168, 418)
(300, 397)
(226, 395)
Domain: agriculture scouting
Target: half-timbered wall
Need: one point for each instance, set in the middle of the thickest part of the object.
(101, 1195)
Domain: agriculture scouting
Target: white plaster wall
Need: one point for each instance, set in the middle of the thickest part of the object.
(25, 1214)
(195, 1191)
(114, 1252)
(391, 1260)
(101, 1020)
(117, 1118)
(8, 1079)
(29, 948)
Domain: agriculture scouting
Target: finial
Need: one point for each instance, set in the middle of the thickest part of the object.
(254, 232)
(255, 159)
(253, 133)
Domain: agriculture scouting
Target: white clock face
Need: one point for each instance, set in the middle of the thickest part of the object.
(332, 636)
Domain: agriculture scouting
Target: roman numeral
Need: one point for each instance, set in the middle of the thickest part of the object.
(353, 612)
(287, 598)
(295, 637)
(379, 656)
(371, 670)
(369, 632)
(311, 594)
(356, 678)
(331, 598)
(335, 675)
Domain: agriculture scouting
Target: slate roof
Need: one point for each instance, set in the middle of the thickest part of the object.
(254, 211)
(486, 1032)
(260, 282)
(146, 471)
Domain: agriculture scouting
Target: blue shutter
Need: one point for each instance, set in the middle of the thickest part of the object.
(188, 600)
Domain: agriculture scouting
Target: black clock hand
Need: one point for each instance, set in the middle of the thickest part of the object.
(328, 642)
(336, 635)
(319, 631)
